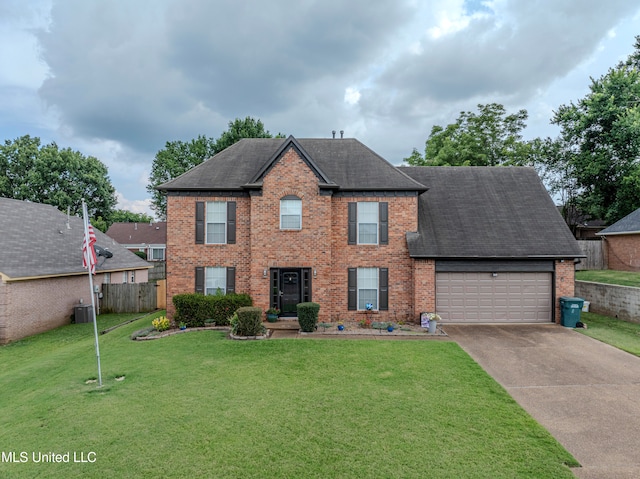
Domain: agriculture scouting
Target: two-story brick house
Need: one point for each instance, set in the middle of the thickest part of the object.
(330, 221)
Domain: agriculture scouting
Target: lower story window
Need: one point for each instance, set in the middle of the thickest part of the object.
(368, 288)
(215, 280)
(157, 254)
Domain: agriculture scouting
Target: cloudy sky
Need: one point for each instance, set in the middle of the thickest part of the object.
(116, 79)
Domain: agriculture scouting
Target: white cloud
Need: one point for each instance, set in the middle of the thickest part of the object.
(123, 77)
(351, 96)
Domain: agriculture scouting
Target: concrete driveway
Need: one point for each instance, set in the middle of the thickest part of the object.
(584, 392)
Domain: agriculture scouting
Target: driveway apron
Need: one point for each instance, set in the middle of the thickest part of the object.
(584, 392)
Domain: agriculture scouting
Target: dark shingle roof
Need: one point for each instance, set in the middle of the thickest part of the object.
(346, 164)
(139, 233)
(630, 224)
(485, 212)
(35, 242)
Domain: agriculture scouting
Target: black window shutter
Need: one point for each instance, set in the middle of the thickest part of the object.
(383, 218)
(353, 222)
(352, 289)
(231, 222)
(199, 279)
(231, 279)
(383, 294)
(199, 222)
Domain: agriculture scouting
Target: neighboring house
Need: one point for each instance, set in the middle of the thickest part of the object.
(581, 225)
(330, 221)
(41, 273)
(622, 243)
(150, 238)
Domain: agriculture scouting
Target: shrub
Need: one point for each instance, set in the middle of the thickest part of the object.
(248, 323)
(308, 316)
(161, 323)
(194, 309)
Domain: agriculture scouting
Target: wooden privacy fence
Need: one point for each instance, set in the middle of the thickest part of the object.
(128, 298)
(595, 255)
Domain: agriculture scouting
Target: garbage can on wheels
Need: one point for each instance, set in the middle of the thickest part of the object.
(570, 311)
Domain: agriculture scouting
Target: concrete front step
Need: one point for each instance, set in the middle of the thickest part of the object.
(284, 324)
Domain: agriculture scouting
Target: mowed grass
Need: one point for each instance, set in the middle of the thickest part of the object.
(196, 405)
(621, 334)
(608, 276)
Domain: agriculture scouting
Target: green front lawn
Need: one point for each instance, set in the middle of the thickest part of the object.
(621, 334)
(198, 405)
(622, 278)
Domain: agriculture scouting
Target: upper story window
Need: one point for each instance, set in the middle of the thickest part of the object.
(216, 222)
(290, 213)
(368, 222)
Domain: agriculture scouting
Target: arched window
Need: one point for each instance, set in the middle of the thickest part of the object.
(290, 213)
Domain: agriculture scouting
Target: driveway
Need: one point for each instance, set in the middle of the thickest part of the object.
(584, 392)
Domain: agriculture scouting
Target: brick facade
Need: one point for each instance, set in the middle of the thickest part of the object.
(21, 315)
(565, 272)
(623, 252)
(321, 246)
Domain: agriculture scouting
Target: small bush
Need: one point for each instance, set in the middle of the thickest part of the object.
(248, 323)
(194, 309)
(308, 316)
(161, 323)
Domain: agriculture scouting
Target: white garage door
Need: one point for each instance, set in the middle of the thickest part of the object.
(482, 297)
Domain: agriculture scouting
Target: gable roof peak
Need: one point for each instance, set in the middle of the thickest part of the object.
(289, 143)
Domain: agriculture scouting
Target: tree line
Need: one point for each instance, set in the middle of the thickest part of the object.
(592, 166)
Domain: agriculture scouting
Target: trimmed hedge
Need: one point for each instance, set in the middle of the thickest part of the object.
(248, 322)
(194, 309)
(308, 316)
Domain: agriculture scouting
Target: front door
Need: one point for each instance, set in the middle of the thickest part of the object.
(290, 291)
(290, 286)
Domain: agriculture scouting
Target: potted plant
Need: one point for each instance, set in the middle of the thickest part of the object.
(390, 327)
(182, 325)
(340, 325)
(272, 314)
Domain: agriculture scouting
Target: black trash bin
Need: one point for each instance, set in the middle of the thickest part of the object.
(570, 311)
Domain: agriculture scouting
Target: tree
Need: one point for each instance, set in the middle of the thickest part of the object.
(177, 157)
(58, 177)
(602, 132)
(124, 216)
(489, 138)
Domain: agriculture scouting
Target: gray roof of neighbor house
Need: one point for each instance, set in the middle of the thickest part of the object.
(487, 212)
(630, 224)
(340, 164)
(36, 241)
(139, 233)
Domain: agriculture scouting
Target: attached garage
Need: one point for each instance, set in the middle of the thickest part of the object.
(489, 292)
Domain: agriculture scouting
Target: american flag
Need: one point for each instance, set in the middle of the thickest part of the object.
(92, 252)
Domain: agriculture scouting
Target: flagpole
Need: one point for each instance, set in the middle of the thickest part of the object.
(87, 253)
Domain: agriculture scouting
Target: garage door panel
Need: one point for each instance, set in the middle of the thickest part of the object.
(482, 297)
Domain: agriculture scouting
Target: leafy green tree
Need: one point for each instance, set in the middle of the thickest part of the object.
(124, 216)
(54, 176)
(239, 129)
(177, 157)
(602, 131)
(488, 138)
